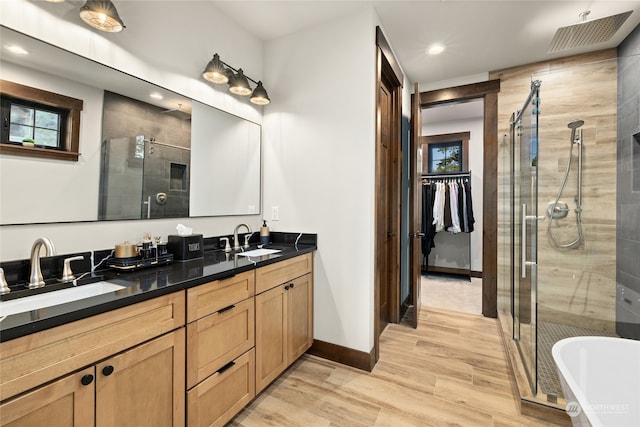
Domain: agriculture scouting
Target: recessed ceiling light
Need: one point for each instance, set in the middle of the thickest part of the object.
(156, 95)
(435, 49)
(18, 50)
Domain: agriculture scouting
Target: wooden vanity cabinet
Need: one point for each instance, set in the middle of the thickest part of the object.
(120, 368)
(68, 401)
(220, 349)
(284, 316)
(141, 386)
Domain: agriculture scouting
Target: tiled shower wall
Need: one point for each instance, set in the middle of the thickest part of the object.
(575, 286)
(628, 197)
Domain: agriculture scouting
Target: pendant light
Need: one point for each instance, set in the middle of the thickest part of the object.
(239, 84)
(215, 71)
(102, 14)
(259, 95)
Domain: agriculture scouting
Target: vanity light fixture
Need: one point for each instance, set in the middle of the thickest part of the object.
(219, 72)
(102, 14)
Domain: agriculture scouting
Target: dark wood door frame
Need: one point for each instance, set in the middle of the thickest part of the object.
(488, 91)
(389, 72)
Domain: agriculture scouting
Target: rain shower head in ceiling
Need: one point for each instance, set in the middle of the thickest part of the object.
(587, 32)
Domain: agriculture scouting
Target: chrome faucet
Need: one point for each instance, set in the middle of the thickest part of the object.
(35, 278)
(236, 244)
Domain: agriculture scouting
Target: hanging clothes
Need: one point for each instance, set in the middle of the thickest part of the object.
(428, 226)
(446, 206)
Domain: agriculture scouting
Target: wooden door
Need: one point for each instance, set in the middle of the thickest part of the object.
(415, 227)
(67, 402)
(299, 316)
(143, 386)
(383, 208)
(271, 325)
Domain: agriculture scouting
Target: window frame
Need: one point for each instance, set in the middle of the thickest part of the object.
(460, 137)
(69, 144)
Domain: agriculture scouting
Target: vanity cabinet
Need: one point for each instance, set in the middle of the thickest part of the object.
(220, 349)
(140, 386)
(66, 401)
(35, 359)
(284, 316)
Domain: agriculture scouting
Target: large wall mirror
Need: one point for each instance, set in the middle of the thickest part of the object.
(146, 152)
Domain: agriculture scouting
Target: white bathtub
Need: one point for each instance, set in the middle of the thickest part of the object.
(600, 378)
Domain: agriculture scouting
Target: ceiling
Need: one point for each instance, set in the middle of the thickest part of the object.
(480, 35)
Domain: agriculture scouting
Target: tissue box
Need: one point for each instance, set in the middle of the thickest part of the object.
(186, 247)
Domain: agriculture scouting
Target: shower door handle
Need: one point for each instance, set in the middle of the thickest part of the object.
(148, 203)
(523, 240)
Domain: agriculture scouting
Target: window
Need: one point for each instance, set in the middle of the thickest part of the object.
(37, 123)
(32, 122)
(445, 153)
(445, 157)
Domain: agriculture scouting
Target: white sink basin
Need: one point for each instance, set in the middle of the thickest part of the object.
(48, 299)
(259, 252)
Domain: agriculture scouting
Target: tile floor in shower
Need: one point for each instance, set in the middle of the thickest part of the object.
(548, 334)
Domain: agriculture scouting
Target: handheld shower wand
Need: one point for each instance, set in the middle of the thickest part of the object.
(576, 138)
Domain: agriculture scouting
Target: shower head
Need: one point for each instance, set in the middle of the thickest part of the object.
(575, 124)
(587, 33)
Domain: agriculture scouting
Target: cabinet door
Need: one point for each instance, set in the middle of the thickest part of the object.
(66, 402)
(271, 324)
(143, 386)
(299, 316)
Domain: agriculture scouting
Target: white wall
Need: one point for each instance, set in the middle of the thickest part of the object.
(319, 157)
(47, 182)
(476, 144)
(144, 50)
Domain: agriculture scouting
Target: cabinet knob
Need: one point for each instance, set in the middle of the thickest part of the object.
(286, 288)
(291, 285)
(86, 379)
(107, 370)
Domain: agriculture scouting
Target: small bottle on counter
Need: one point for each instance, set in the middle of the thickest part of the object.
(264, 233)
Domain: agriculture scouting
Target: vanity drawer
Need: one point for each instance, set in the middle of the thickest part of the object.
(275, 274)
(219, 338)
(37, 358)
(221, 396)
(209, 298)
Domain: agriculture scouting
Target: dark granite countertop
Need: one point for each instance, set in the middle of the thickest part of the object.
(149, 283)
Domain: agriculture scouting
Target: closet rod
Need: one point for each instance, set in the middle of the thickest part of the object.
(447, 175)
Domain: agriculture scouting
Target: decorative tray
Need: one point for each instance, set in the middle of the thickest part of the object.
(137, 263)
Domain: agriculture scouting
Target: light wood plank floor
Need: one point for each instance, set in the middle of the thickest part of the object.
(450, 371)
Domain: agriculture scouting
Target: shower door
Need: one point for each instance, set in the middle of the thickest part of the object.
(524, 136)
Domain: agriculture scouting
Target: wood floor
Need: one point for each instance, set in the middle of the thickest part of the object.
(451, 371)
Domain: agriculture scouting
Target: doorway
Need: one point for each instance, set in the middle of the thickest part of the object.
(488, 92)
(388, 190)
(452, 148)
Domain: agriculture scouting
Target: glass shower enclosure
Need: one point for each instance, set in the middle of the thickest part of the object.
(141, 178)
(524, 217)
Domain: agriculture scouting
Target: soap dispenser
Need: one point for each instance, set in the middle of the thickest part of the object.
(264, 233)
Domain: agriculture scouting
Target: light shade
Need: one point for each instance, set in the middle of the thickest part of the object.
(239, 84)
(215, 71)
(102, 14)
(259, 95)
